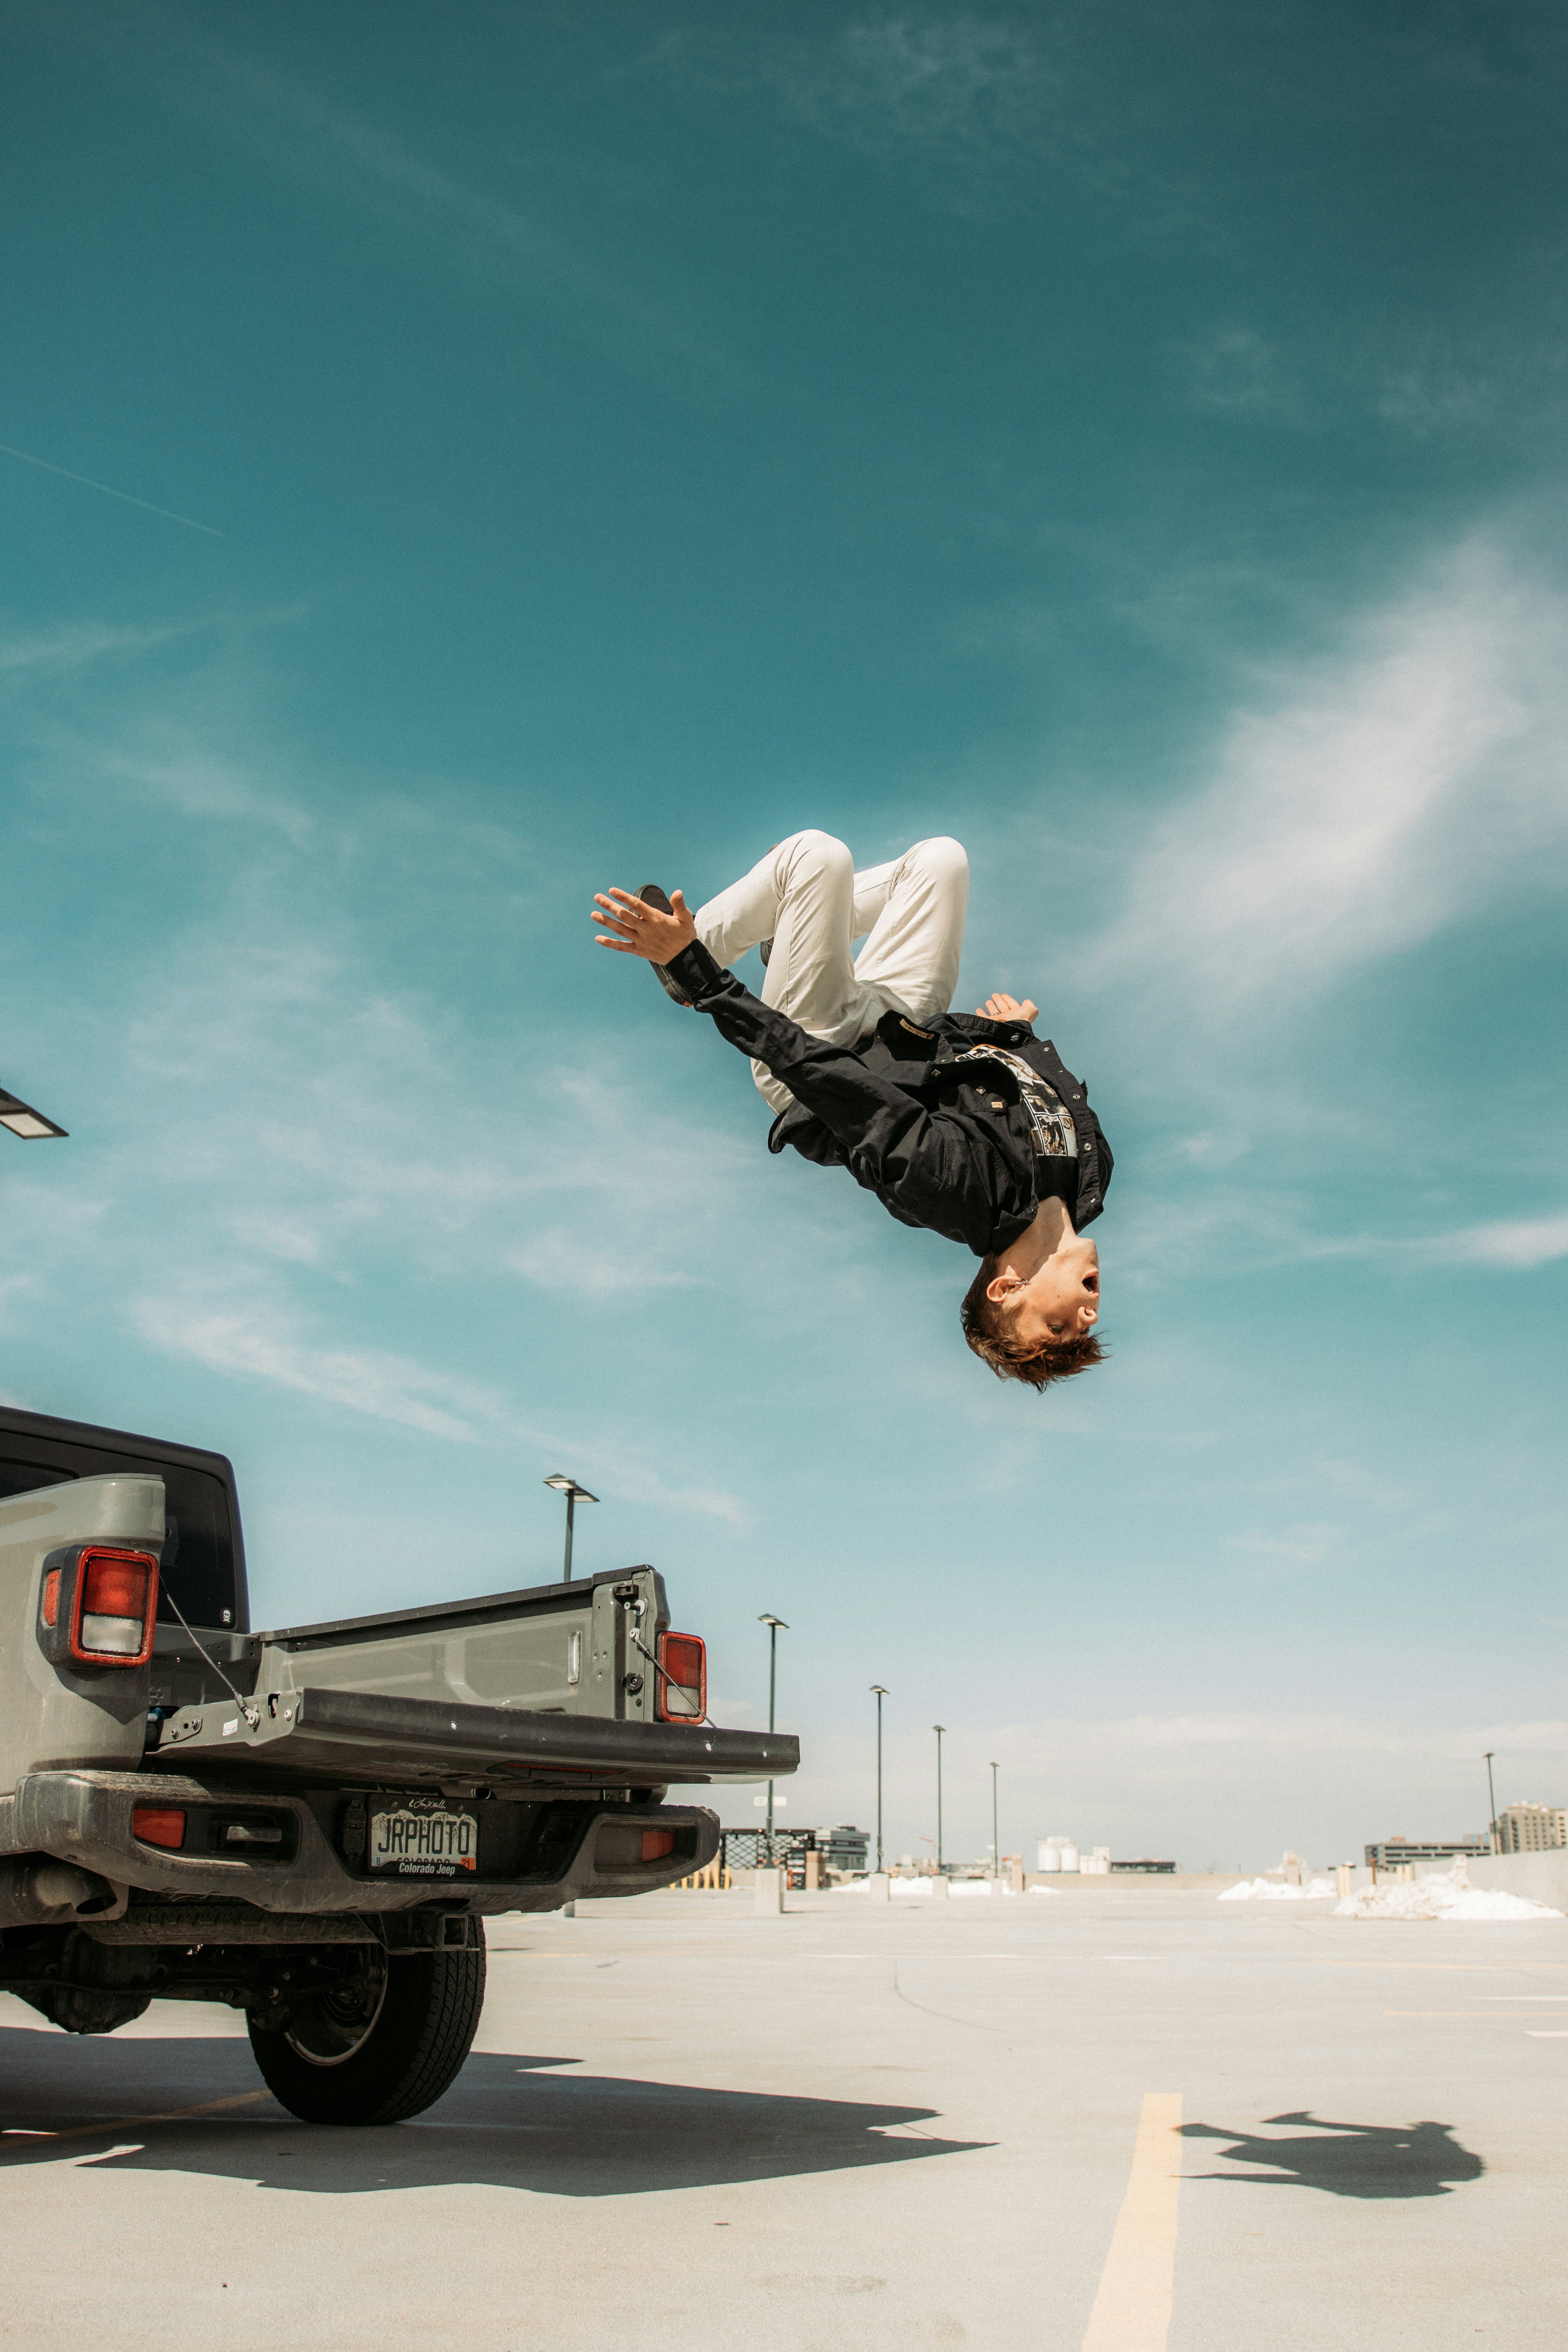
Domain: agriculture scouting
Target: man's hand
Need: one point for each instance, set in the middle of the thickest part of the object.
(1002, 1007)
(633, 929)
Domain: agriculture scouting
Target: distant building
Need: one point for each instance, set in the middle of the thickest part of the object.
(1145, 1868)
(1532, 1829)
(1395, 1850)
(841, 1849)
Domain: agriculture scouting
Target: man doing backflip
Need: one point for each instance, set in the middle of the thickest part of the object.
(965, 1124)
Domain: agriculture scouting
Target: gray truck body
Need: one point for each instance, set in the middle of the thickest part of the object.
(535, 1716)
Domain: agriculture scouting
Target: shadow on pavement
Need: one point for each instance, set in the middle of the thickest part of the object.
(504, 2124)
(1349, 2159)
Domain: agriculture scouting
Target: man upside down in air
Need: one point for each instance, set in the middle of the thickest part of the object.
(966, 1124)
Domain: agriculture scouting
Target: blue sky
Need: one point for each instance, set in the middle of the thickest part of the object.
(591, 443)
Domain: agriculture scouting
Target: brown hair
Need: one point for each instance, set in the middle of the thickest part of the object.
(985, 1332)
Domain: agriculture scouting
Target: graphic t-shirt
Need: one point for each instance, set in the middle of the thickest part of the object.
(1055, 1138)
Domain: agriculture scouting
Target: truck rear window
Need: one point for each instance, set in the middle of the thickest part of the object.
(198, 1554)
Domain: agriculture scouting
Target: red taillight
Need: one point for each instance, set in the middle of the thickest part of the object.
(115, 1585)
(116, 1603)
(657, 1844)
(159, 1825)
(683, 1682)
(98, 1606)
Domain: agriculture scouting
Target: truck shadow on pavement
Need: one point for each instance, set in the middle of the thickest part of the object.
(1348, 2159)
(506, 2123)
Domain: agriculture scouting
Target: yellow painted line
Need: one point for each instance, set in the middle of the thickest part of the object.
(137, 2123)
(1132, 2310)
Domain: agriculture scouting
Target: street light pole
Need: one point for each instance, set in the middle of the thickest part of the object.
(995, 1833)
(939, 1729)
(1491, 1798)
(881, 1695)
(775, 1626)
(575, 1495)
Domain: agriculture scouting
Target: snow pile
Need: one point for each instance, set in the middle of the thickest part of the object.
(896, 1887)
(1438, 1899)
(1055, 1891)
(959, 1889)
(1275, 1890)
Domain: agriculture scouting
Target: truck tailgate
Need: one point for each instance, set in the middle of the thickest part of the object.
(345, 1734)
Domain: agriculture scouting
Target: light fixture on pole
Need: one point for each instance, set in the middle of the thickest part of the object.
(775, 1626)
(1491, 1798)
(575, 1495)
(939, 1729)
(24, 1121)
(995, 1833)
(881, 1695)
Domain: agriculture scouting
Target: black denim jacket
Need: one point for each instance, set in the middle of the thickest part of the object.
(918, 1116)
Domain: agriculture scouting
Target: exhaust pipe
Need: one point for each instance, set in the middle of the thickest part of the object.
(40, 1891)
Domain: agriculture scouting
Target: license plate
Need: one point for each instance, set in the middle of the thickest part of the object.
(423, 1841)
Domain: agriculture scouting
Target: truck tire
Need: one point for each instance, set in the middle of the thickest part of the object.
(382, 2054)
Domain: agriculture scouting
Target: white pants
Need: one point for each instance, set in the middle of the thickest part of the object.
(806, 896)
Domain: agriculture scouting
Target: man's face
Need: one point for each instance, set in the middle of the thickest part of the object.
(1059, 1302)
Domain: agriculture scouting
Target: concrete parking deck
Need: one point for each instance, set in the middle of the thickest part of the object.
(890, 2127)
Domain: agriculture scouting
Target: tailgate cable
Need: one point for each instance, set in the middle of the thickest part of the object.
(251, 1713)
(635, 1608)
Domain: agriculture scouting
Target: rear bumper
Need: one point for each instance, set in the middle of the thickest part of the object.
(85, 1818)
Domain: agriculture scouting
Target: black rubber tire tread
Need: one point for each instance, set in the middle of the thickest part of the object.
(413, 2052)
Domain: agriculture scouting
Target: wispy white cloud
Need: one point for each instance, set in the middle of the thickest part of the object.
(199, 783)
(1519, 1243)
(280, 1348)
(330, 1135)
(1305, 1546)
(1249, 1230)
(254, 1347)
(960, 105)
(76, 643)
(1361, 805)
(1427, 397)
(295, 1242)
(1285, 1731)
(1236, 373)
(1424, 386)
(918, 81)
(559, 1259)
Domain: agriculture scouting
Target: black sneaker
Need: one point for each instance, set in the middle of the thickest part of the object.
(652, 896)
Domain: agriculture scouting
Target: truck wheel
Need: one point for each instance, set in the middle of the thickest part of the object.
(381, 2048)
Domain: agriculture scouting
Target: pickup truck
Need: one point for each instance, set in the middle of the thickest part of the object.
(311, 1824)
